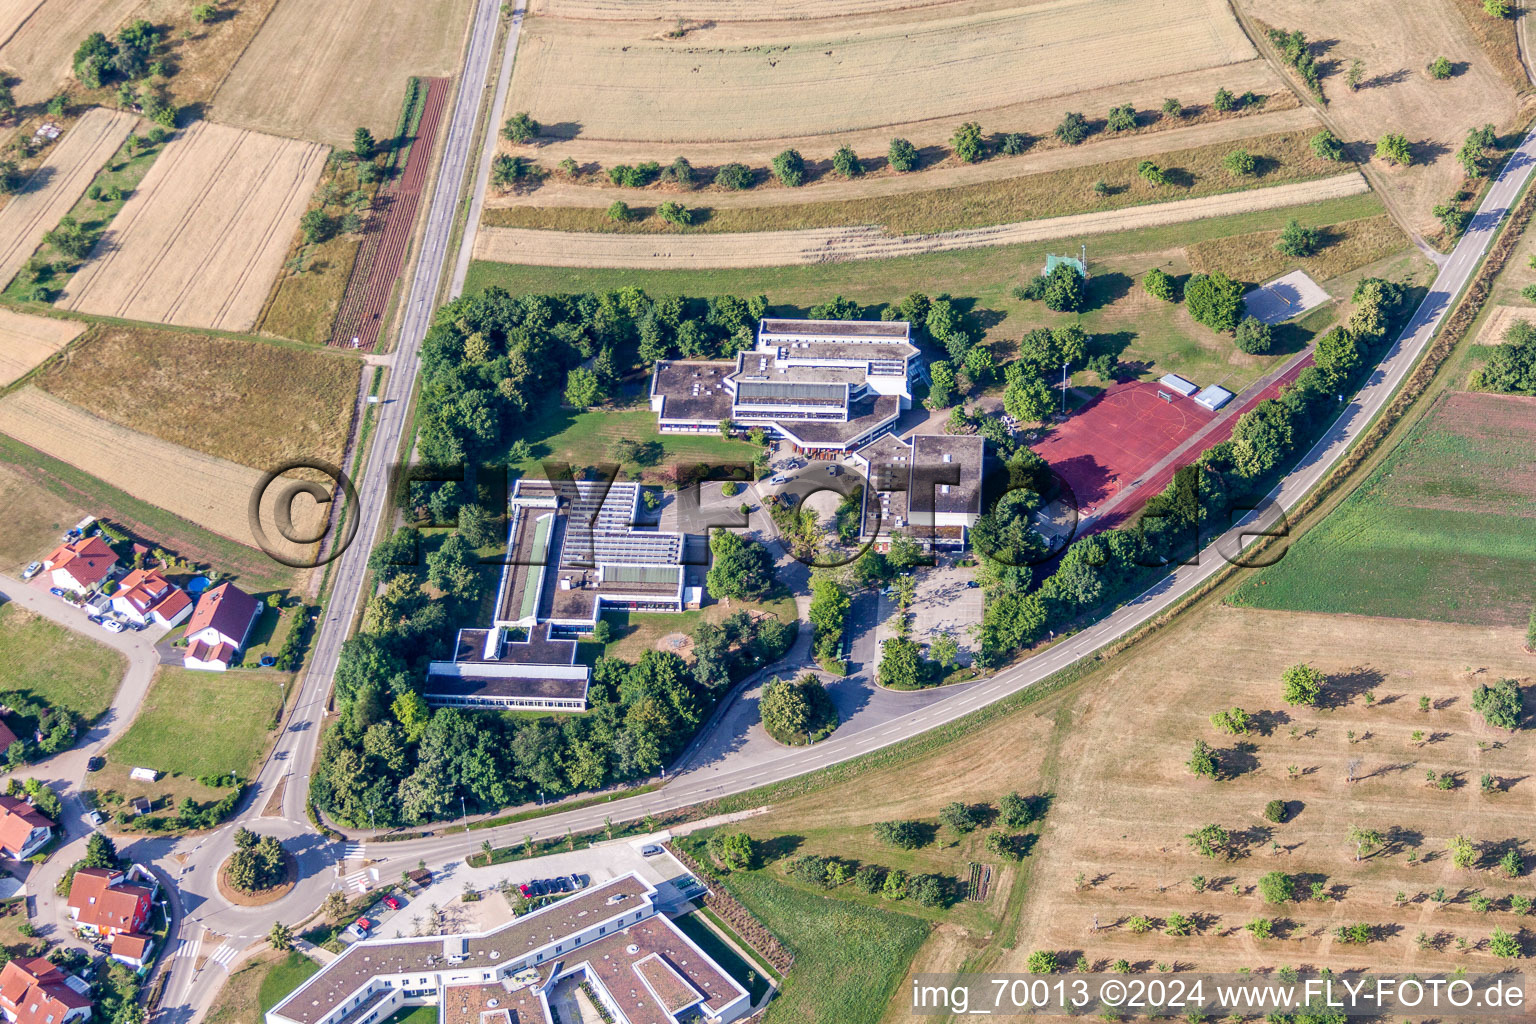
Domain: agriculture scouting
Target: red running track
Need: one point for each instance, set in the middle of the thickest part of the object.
(388, 232)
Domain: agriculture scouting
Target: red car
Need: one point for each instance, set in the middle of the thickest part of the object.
(363, 925)
(526, 890)
(391, 903)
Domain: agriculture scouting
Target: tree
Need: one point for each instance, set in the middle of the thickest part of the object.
(619, 211)
(1233, 721)
(452, 568)
(1172, 108)
(70, 239)
(583, 389)
(1276, 887)
(789, 168)
(902, 155)
(1355, 74)
(959, 817)
(1224, 102)
(1027, 398)
(1253, 336)
(1013, 811)
(1463, 852)
(1275, 811)
(1364, 839)
(737, 851)
(827, 613)
(792, 710)
(901, 664)
(1043, 961)
(941, 389)
(100, 852)
(1511, 863)
(741, 568)
(520, 128)
(1064, 289)
(1394, 149)
(1214, 300)
(317, 227)
(846, 163)
(904, 835)
(335, 905)
(1202, 760)
(1440, 68)
(1014, 143)
(1239, 163)
(1121, 118)
(281, 937)
(1496, 8)
(257, 863)
(944, 649)
(1296, 241)
(1210, 841)
(1160, 284)
(968, 143)
(1499, 704)
(675, 213)
(1326, 146)
(1302, 684)
(1504, 945)
(363, 144)
(1073, 129)
(734, 177)
(1152, 173)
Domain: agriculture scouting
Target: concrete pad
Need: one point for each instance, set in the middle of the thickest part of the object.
(1285, 297)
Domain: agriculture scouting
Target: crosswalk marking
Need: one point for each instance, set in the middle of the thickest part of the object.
(224, 954)
(357, 880)
(356, 851)
(189, 947)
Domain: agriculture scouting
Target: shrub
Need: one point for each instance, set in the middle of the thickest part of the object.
(959, 817)
(1014, 811)
(1276, 886)
(679, 172)
(734, 177)
(1296, 241)
(845, 162)
(730, 488)
(1240, 162)
(1302, 684)
(1275, 811)
(1152, 173)
(1140, 924)
(1160, 285)
(1260, 927)
(904, 835)
(1440, 68)
(1224, 101)
(1014, 143)
(1172, 108)
(1073, 129)
(619, 211)
(1121, 118)
(1499, 704)
(1394, 149)
(675, 213)
(1214, 300)
(902, 155)
(968, 144)
(203, 13)
(789, 168)
(520, 128)
(1253, 336)
(1043, 961)
(1496, 8)
(1326, 146)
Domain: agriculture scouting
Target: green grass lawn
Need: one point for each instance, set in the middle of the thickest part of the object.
(849, 959)
(288, 974)
(703, 936)
(587, 438)
(634, 633)
(1444, 529)
(202, 723)
(413, 1015)
(56, 665)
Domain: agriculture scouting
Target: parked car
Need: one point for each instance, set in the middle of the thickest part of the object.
(650, 850)
(101, 947)
(561, 884)
(112, 626)
(56, 591)
(360, 928)
(32, 570)
(580, 881)
(778, 479)
(95, 618)
(526, 889)
(95, 764)
(96, 818)
(391, 903)
(972, 584)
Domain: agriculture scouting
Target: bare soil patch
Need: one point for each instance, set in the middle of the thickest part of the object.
(202, 239)
(317, 69)
(255, 403)
(1396, 40)
(211, 492)
(739, 81)
(1500, 319)
(823, 245)
(55, 187)
(26, 341)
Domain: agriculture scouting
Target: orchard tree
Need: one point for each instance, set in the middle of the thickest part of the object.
(1499, 704)
(1296, 241)
(968, 143)
(1043, 961)
(1364, 839)
(1302, 684)
(1394, 149)
(363, 144)
(520, 128)
(1202, 760)
(1210, 841)
(1463, 851)
(1440, 68)
(1160, 284)
(902, 155)
(1276, 887)
(1504, 945)
(1240, 163)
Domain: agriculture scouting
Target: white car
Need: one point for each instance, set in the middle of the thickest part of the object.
(112, 626)
(778, 479)
(650, 850)
(32, 570)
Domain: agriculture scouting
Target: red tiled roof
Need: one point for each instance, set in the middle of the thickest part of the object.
(17, 820)
(88, 560)
(130, 944)
(104, 900)
(171, 605)
(6, 737)
(227, 609)
(36, 992)
(142, 588)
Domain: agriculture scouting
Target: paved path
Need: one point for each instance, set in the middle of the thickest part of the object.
(868, 242)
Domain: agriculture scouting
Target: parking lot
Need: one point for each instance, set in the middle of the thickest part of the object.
(944, 604)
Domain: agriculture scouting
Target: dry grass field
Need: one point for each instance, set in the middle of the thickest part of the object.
(34, 517)
(740, 81)
(678, 13)
(211, 492)
(38, 38)
(1121, 800)
(1396, 40)
(822, 245)
(55, 187)
(317, 70)
(201, 240)
(1500, 319)
(206, 392)
(1253, 257)
(25, 341)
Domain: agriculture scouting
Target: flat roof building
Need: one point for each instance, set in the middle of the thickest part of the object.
(641, 968)
(928, 487)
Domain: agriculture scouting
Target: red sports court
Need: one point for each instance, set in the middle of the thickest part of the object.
(1114, 439)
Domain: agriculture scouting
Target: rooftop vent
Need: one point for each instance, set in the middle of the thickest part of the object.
(631, 949)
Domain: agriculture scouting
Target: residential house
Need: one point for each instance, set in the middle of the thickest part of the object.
(23, 828)
(7, 737)
(35, 991)
(146, 598)
(81, 564)
(220, 625)
(106, 902)
(133, 950)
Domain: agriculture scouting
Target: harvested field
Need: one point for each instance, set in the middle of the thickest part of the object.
(204, 392)
(1396, 40)
(1279, 158)
(318, 70)
(617, 80)
(825, 245)
(721, 10)
(213, 493)
(1444, 529)
(25, 341)
(1498, 38)
(1253, 257)
(55, 187)
(38, 38)
(34, 519)
(202, 239)
(1500, 319)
